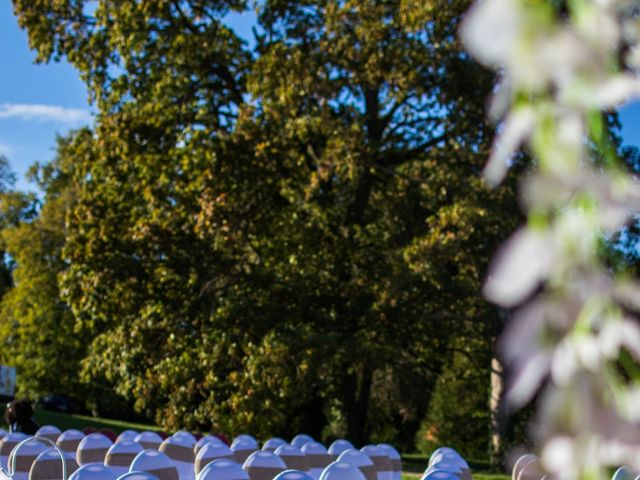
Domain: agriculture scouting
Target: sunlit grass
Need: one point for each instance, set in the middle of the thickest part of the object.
(65, 421)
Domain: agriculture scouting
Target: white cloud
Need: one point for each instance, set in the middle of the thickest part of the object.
(38, 112)
(5, 149)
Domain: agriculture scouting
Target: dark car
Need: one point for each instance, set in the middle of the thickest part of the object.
(57, 403)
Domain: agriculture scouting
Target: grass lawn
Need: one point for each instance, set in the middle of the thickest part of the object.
(65, 421)
(413, 464)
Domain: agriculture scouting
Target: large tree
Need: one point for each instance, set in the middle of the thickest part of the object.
(264, 235)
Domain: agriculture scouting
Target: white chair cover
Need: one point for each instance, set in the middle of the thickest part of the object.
(49, 431)
(445, 467)
(396, 460)
(360, 460)
(293, 475)
(242, 449)
(6, 446)
(210, 452)
(179, 448)
(148, 440)
(94, 471)
(92, 449)
(187, 437)
(223, 469)
(520, 463)
(137, 476)
(121, 454)
(129, 435)
(69, 440)
(531, 470)
(318, 458)
(293, 458)
(623, 473)
(156, 463)
(263, 465)
(342, 471)
(245, 439)
(273, 443)
(48, 465)
(380, 461)
(440, 475)
(441, 451)
(300, 439)
(25, 456)
(339, 446)
(205, 440)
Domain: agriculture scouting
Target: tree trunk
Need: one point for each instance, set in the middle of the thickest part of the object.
(357, 407)
(495, 404)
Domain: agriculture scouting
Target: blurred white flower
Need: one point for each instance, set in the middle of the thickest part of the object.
(516, 130)
(519, 267)
(492, 29)
(561, 64)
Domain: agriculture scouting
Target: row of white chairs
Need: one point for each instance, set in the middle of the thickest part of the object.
(445, 463)
(222, 469)
(188, 457)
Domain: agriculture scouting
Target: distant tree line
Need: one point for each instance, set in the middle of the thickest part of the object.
(278, 237)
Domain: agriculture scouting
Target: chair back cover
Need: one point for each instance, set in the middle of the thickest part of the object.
(396, 461)
(441, 451)
(520, 463)
(137, 476)
(48, 465)
(342, 471)
(7, 444)
(205, 440)
(318, 458)
(210, 452)
(246, 439)
(263, 465)
(242, 449)
(94, 471)
(380, 461)
(623, 473)
(179, 448)
(339, 446)
(273, 443)
(300, 439)
(127, 435)
(293, 475)
(360, 460)
(148, 440)
(293, 458)
(531, 470)
(24, 454)
(92, 449)
(49, 431)
(187, 437)
(439, 475)
(223, 469)
(69, 440)
(156, 463)
(121, 454)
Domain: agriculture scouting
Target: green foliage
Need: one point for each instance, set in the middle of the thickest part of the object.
(276, 240)
(37, 328)
(458, 413)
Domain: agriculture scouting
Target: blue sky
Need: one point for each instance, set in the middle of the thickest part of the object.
(38, 102)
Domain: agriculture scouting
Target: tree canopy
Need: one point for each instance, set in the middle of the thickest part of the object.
(278, 237)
